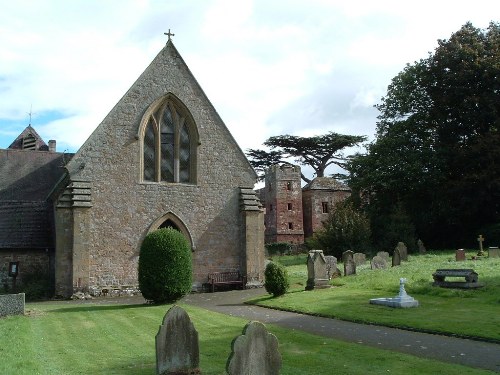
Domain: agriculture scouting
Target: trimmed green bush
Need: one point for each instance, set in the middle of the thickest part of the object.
(165, 267)
(277, 282)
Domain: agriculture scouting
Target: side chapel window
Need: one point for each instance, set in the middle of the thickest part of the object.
(169, 146)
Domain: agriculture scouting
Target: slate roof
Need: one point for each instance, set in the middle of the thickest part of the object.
(326, 183)
(39, 144)
(26, 180)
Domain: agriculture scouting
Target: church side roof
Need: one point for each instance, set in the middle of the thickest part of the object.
(326, 183)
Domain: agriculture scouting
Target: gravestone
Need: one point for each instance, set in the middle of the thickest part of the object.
(12, 304)
(255, 352)
(480, 239)
(378, 263)
(177, 349)
(384, 254)
(396, 258)
(349, 265)
(403, 251)
(402, 300)
(331, 267)
(493, 252)
(460, 255)
(359, 259)
(421, 247)
(317, 277)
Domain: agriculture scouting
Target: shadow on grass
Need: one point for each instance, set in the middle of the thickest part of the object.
(91, 307)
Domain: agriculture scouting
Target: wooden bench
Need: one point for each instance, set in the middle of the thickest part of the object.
(470, 276)
(226, 279)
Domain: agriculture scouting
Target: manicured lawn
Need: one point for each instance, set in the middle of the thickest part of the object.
(454, 311)
(68, 338)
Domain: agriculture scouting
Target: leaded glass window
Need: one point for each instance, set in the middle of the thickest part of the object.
(169, 152)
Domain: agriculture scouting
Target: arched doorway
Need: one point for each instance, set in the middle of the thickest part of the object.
(170, 220)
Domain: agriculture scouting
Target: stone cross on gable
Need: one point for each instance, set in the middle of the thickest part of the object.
(480, 239)
(169, 34)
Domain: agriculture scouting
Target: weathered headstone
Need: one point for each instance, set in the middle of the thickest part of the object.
(316, 270)
(359, 259)
(493, 252)
(384, 254)
(403, 251)
(177, 348)
(349, 265)
(396, 258)
(460, 255)
(378, 263)
(255, 352)
(421, 247)
(331, 266)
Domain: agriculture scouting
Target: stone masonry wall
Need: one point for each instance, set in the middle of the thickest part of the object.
(29, 261)
(12, 304)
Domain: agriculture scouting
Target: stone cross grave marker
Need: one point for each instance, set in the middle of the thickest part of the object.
(378, 263)
(349, 265)
(255, 352)
(359, 259)
(480, 239)
(493, 252)
(317, 276)
(460, 255)
(396, 258)
(177, 349)
(384, 254)
(403, 251)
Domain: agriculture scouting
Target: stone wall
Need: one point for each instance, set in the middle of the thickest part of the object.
(313, 207)
(29, 261)
(11, 304)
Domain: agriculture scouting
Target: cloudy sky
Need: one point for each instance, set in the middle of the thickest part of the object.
(268, 67)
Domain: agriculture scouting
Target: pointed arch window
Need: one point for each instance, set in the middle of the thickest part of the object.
(169, 145)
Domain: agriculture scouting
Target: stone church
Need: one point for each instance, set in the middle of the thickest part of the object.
(161, 157)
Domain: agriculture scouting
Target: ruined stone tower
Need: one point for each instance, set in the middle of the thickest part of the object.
(282, 195)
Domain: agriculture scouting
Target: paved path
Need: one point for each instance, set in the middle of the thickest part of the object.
(447, 349)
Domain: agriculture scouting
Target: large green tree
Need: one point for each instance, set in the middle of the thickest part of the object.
(437, 150)
(319, 152)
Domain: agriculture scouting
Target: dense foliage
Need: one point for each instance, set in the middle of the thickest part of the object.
(346, 228)
(165, 267)
(436, 155)
(317, 152)
(278, 248)
(276, 276)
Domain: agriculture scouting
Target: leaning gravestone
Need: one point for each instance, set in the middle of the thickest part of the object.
(255, 352)
(493, 252)
(378, 263)
(316, 270)
(396, 258)
(359, 259)
(177, 349)
(460, 255)
(403, 251)
(384, 254)
(349, 265)
(331, 267)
